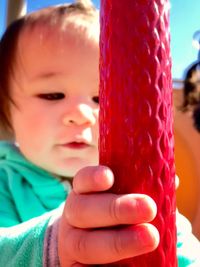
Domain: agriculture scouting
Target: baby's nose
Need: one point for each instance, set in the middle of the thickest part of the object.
(81, 114)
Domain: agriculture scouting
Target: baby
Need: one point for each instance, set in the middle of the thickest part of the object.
(49, 102)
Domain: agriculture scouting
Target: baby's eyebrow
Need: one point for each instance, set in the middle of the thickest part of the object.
(45, 75)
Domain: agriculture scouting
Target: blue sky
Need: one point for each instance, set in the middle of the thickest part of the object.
(185, 20)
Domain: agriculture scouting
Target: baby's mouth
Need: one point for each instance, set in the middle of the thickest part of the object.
(76, 145)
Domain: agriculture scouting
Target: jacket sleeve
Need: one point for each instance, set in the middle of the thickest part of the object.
(22, 244)
(50, 251)
(188, 246)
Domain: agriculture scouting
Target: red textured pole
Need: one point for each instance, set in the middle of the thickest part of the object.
(136, 137)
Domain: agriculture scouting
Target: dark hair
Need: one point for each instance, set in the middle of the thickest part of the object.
(53, 16)
(196, 117)
(191, 96)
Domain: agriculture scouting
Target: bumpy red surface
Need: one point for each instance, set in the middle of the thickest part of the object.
(136, 137)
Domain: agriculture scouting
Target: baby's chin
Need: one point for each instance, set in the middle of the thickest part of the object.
(72, 169)
(64, 167)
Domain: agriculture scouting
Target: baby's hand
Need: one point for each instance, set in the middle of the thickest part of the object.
(85, 235)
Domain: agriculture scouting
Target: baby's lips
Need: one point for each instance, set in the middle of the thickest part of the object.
(76, 145)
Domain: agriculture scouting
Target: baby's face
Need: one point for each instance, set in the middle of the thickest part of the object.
(56, 92)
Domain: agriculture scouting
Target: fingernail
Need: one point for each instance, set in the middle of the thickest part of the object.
(147, 208)
(104, 176)
(148, 236)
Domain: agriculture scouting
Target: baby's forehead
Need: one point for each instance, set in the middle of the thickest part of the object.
(44, 46)
(39, 35)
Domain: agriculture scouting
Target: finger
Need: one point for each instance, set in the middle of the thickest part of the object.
(77, 265)
(109, 209)
(111, 245)
(93, 179)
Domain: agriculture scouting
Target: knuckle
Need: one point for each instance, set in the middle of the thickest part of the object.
(72, 211)
(117, 246)
(80, 245)
(76, 245)
(114, 211)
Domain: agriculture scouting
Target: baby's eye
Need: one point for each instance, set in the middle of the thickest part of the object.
(95, 99)
(52, 96)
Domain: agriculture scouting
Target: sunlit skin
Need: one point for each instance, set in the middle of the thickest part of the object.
(61, 136)
(56, 93)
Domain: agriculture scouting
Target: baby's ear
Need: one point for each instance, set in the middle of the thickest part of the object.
(196, 118)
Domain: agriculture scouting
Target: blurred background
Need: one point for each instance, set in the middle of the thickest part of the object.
(185, 36)
(185, 21)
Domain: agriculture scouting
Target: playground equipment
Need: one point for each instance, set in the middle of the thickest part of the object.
(15, 9)
(136, 135)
